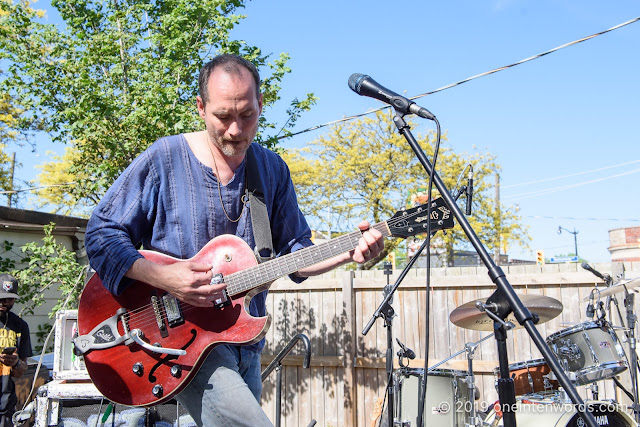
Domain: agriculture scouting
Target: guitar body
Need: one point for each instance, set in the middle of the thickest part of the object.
(197, 330)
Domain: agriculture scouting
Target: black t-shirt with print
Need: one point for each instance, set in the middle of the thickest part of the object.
(14, 332)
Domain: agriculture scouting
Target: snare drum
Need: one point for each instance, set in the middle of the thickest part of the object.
(588, 352)
(548, 413)
(446, 401)
(530, 377)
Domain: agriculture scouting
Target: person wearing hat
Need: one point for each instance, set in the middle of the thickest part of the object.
(15, 345)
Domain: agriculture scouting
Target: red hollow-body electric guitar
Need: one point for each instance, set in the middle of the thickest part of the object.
(143, 347)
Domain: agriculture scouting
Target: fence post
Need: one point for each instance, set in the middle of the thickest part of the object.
(350, 334)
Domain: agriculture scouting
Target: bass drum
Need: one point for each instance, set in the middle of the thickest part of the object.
(551, 414)
(446, 401)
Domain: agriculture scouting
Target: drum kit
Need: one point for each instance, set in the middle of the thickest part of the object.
(589, 353)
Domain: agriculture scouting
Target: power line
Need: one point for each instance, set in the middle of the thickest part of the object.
(580, 219)
(522, 196)
(570, 175)
(38, 188)
(531, 58)
(533, 194)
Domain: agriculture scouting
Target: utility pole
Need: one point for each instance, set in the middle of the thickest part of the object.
(13, 167)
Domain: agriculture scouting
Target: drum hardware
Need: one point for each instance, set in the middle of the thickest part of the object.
(470, 349)
(495, 314)
(569, 354)
(532, 377)
(469, 381)
(621, 286)
(624, 286)
(594, 389)
(590, 350)
(631, 324)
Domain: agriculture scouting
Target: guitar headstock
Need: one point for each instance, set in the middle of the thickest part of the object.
(409, 222)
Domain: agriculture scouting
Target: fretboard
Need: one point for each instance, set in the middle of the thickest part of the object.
(245, 280)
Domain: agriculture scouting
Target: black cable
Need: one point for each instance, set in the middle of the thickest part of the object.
(386, 393)
(619, 384)
(423, 389)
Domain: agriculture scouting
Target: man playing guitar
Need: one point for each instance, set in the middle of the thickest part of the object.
(186, 190)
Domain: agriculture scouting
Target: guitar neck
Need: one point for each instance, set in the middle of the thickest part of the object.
(245, 280)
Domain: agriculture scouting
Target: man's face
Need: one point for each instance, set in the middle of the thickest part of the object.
(232, 111)
(6, 304)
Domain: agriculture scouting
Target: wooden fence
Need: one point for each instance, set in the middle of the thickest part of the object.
(347, 373)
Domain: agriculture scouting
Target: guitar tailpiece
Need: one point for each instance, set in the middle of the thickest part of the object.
(104, 335)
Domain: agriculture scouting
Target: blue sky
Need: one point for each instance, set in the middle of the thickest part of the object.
(563, 127)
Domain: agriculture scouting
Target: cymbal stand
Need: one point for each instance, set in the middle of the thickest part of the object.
(633, 369)
(475, 344)
(505, 383)
(629, 332)
(469, 349)
(505, 299)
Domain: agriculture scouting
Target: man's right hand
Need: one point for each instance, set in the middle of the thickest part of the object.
(189, 281)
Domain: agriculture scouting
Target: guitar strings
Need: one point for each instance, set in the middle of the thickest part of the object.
(145, 316)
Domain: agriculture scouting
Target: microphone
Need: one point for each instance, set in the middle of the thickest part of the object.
(469, 191)
(406, 352)
(595, 272)
(366, 86)
(590, 309)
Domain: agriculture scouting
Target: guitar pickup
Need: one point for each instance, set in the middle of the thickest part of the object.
(172, 310)
(221, 298)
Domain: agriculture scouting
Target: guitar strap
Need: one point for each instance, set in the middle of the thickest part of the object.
(258, 208)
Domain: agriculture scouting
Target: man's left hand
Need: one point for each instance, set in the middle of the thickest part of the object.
(370, 245)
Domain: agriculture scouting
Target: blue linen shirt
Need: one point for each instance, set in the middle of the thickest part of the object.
(168, 201)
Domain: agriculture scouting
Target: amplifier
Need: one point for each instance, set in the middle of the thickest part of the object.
(66, 365)
(80, 404)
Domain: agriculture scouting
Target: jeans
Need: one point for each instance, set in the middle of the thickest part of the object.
(226, 390)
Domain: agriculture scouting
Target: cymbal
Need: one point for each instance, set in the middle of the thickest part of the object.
(618, 287)
(469, 317)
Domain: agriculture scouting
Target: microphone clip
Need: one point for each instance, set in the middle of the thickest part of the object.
(403, 353)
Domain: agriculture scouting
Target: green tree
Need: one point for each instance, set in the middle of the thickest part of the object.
(365, 169)
(121, 74)
(49, 265)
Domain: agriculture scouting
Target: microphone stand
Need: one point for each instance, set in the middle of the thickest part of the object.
(386, 311)
(633, 369)
(388, 314)
(502, 302)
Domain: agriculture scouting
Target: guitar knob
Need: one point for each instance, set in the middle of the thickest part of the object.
(138, 369)
(157, 390)
(176, 371)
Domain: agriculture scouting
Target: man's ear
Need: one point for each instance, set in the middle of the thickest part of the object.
(200, 105)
